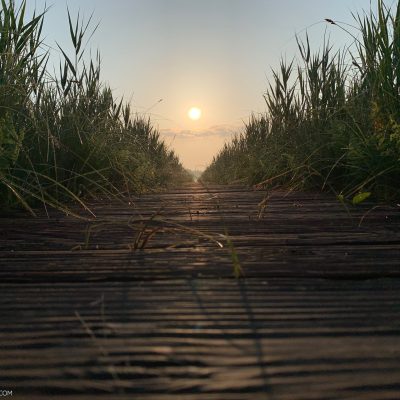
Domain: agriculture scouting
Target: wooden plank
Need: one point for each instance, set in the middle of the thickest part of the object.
(218, 338)
(316, 317)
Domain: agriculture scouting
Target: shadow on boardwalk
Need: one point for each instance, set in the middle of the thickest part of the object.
(316, 317)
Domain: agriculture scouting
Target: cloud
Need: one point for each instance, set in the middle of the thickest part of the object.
(222, 131)
(196, 148)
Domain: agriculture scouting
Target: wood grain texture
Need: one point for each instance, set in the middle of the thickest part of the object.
(316, 316)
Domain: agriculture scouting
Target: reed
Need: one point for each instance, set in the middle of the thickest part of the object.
(65, 138)
(329, 123)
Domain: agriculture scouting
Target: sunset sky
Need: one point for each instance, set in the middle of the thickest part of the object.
(166, 56)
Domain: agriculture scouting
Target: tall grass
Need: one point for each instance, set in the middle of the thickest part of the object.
(65, 138)
(329, 123)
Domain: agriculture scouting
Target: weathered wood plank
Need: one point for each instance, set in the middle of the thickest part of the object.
(220, 337)
(317, 316)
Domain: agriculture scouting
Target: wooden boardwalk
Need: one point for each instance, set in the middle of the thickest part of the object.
(142, 302)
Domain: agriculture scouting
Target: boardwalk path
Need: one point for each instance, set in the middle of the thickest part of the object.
(316, 317)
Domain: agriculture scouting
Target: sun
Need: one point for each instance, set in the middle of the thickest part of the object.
(194, 113)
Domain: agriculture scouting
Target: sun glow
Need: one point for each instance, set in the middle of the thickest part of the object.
(194, 113)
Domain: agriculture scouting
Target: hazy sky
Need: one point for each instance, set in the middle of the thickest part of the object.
(213, 54)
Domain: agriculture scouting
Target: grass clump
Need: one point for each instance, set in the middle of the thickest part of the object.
(66, 138)
(329, 123)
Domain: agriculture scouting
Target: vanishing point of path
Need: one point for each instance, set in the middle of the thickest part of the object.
(87, 313)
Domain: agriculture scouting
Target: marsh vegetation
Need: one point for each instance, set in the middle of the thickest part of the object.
(332, 121)
(64, 137)
(332, 118)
